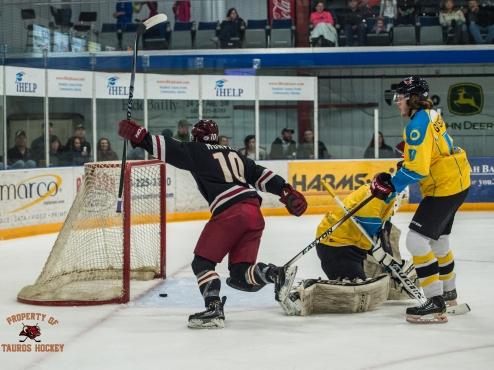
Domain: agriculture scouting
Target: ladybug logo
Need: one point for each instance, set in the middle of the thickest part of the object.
(30, 331)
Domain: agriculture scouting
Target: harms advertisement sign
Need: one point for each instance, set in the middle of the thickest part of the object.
(116, 86)
(34, 197)
(20, 81)
(69, 84)
(172, 87)
(228, 88)
(343, 176)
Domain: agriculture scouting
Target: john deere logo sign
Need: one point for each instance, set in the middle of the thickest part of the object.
(465, 99)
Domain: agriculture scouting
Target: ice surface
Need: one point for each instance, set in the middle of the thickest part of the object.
(150, 332)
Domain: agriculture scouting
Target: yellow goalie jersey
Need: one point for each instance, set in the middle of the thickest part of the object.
(431, 159)
(370, 217)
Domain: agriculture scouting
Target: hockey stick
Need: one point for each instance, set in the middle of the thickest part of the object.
(394, 265)
(328, 232)
(141, 29)
(383, 258)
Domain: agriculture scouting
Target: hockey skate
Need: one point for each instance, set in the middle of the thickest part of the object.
(283, 278)
(292, 305)
(453, 307)
(433, 310)
(212, 318)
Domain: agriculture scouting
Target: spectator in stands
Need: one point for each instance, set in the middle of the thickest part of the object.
(181, 10)
(38, 145)
(385, 151)
(388, 10)
(136, 154)
(223, 140)
(249, 149)
(354, 24)
(167, 132)
(480, 19)
(380, 26)
(284, 147)
(123, 14)
(57, 156)
(19, 156)
(305, 149)
(406, 12)
(78, 154)
(323, 31)
(105, 152)
(183, 131)
(152, 6)
(232, 29)
(80, 132)
(453, 21)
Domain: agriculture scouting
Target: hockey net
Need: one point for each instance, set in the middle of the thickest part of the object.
(98, 251)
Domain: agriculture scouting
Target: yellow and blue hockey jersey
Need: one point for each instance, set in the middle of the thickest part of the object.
(370, 217)
(431, 158)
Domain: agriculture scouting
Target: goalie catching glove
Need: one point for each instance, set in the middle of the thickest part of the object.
(293, 200)
(132, 131)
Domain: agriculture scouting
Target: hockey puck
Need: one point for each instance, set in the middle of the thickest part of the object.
(163, 295)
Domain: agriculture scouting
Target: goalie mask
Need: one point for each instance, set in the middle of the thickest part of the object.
(205, 131)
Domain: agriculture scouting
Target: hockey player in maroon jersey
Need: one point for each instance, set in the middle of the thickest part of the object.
(229, 182)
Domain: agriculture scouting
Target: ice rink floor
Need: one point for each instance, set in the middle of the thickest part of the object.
(150, 332)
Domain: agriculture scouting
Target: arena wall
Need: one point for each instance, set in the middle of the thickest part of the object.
(37, 201)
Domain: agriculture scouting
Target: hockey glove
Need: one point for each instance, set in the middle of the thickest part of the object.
(132, 131)
(293, 200)
(381, 186)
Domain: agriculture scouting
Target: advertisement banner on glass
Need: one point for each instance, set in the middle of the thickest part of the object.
(21, 81)
(286, 88)
(116, 86)
(482, 182)
(343, 176)
(69, 84)
(228, 88)
(34, 197)
(172, 87)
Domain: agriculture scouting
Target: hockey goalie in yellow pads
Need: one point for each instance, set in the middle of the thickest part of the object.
(342, 255)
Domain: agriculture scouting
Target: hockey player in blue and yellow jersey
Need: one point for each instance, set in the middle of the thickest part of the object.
(343, 252)
(443, 173)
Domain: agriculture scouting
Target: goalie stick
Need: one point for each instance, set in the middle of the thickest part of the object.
(392, 264)
(141, 29)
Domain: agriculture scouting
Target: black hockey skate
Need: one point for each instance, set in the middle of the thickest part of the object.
(433, 310)
(283, 280)
(212, 318)
(453, 307)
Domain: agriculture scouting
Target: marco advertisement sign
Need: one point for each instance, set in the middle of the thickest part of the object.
(33, 198)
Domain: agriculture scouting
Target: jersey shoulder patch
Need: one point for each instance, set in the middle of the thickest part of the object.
(417, 128)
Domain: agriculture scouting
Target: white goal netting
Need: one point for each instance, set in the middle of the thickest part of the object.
(98, 250)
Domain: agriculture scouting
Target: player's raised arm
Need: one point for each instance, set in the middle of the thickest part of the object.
(266, 180)
(160, 147)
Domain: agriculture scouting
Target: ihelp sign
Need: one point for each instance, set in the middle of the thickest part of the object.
(228, 88)
(24, 81)
(116, 86)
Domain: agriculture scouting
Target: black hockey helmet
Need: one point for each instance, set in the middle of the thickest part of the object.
(413, 85)
(205, 131)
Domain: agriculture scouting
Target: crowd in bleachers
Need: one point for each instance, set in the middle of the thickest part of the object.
(331, 23)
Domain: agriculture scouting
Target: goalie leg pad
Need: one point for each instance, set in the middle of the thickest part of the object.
(343, 297)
